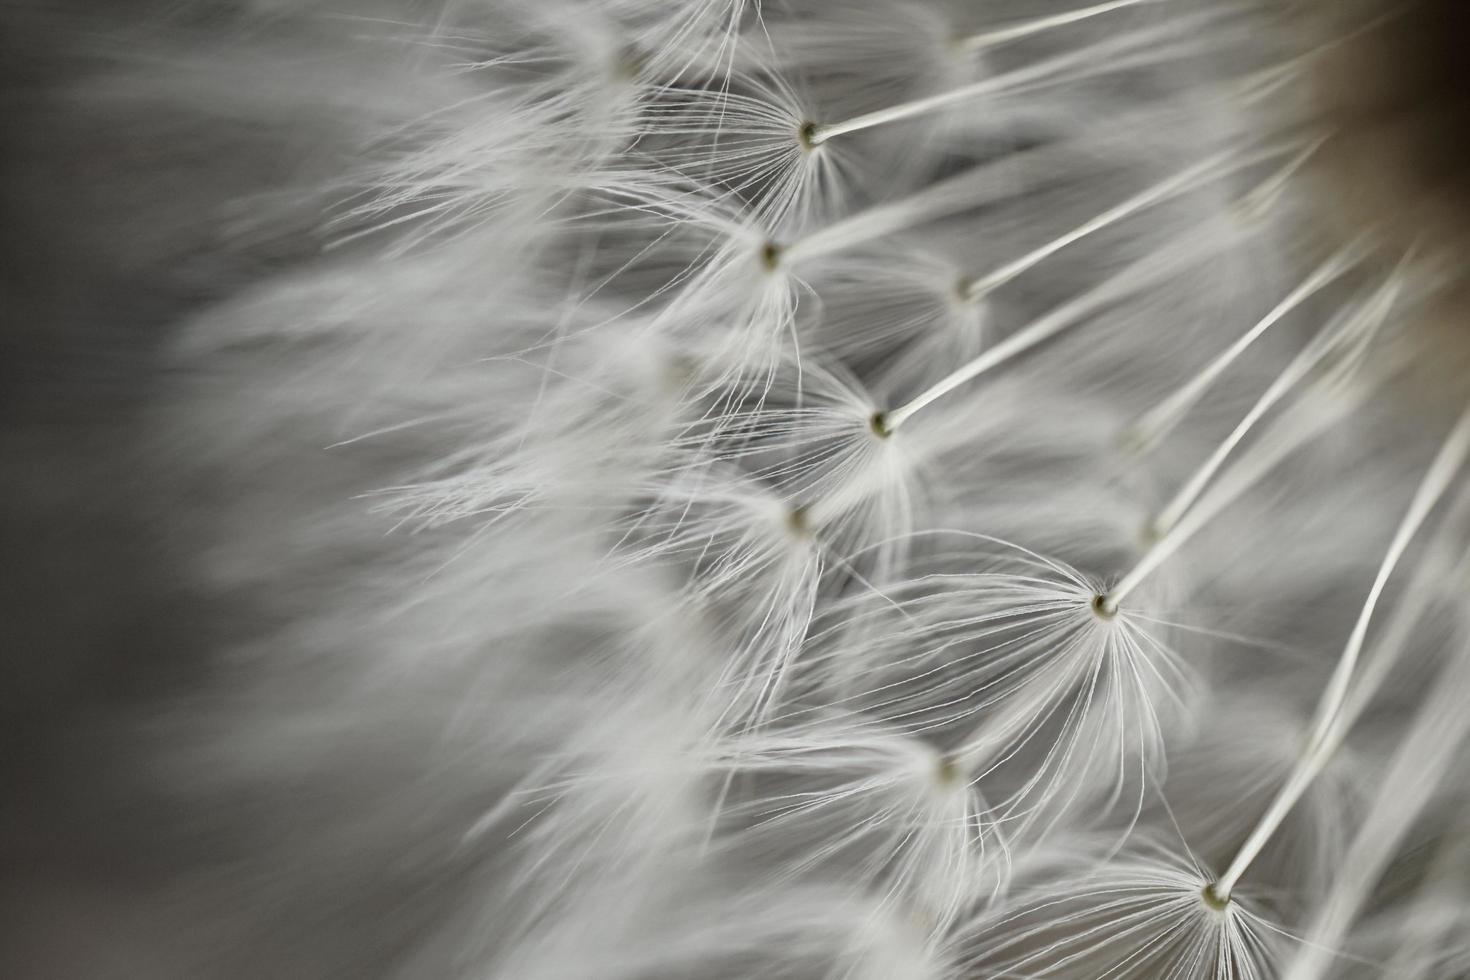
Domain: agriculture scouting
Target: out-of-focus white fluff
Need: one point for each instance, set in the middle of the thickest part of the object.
(622, 607)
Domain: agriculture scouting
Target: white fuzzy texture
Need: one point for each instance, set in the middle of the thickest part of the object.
(807, 489)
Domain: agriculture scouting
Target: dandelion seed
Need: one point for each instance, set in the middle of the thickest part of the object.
(806, 489)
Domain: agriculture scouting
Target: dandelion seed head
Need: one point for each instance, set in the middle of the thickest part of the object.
(884, 489)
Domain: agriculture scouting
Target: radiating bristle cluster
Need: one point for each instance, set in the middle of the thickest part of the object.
(888, 488)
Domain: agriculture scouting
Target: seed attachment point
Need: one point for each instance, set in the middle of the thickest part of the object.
(947, 771)
(798, 521)
(878, 422)
(1104, 608)
(807, 136)
(1211, 894)
(771, 256)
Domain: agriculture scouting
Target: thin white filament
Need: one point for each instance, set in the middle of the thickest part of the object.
(1372, 314)
(1091, 59)
(1161, 419)
(1294, 431)
(1202, 172)
(1185, 180)
(1422, 759)
(1001, 35)
(976, 186)
(1327, 730)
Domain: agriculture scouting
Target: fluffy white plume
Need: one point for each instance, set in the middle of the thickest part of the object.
(874, 489)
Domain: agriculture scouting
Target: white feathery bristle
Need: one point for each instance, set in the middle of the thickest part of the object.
(744, 488)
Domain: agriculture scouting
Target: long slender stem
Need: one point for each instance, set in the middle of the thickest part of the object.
(1369, 316)
(1150, 268)
(1293, 431)
(1091, 59)
(1001, 35)
(972, 188)
(1189, 177)
(1039, 330)
(1256, 203)
(1418, 595)
(1268, 81)
(1161, 419)
(1419, 765)
(1327, 729)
